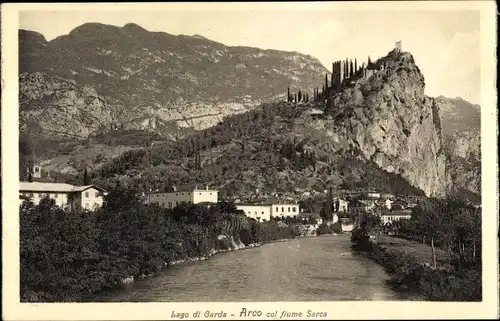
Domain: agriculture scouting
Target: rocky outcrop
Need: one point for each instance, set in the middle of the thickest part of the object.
(388, 119)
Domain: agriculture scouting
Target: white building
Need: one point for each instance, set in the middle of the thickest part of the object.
(388, 204)
(260, 212)
(394, 216)
(343, 204)
(35, 170)
(174, 196)
(267, 211)
(88, 197)
(284, 210)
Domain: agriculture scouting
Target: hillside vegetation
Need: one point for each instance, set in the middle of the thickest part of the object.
(277, 147)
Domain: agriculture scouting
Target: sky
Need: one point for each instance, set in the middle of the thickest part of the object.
(445, 44)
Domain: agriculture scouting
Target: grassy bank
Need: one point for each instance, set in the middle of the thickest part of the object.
(409, 269)
(68, 256)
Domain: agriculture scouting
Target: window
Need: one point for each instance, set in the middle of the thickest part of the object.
(176, 194)
(189, 193)
(86, 194)
(210, 193)
(293, 209)
(277, 209)
(262, 212)
(169, 204)
(55, 195)
(176, 203)
(288, 209)
(182, 193)
(282, 209)
(31, 194)
(189, 202)
(200, 193)
(96, 194)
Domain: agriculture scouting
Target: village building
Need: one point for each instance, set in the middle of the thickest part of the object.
(35, 171)
(267, 209)
(393, 216)
(189, 195)
(343, 205)
(388, 204)
(310, 217)
(259, 212)
(66, 196)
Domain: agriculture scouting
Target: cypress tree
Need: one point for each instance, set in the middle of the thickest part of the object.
(30, 176)
(300, 95)
(351, 73)
(296, 97)
(326, 80)
(356, 67)
(86, 178)
(332, 81)
(288, 95)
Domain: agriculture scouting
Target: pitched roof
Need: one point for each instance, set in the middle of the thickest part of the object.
(53, 187)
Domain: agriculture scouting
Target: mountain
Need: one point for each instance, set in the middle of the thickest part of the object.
(462, 136)
(133, 79)
(378, 131)
(150, 109)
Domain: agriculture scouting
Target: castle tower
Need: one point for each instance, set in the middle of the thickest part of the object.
(399, 46)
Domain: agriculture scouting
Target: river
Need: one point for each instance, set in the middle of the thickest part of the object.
(307, 269)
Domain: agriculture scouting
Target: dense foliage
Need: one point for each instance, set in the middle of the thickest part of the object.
(268, 144)
(67, 256)
(449, 224)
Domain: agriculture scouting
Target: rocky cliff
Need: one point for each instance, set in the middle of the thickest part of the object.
(144, 80)
(387, 117)
(462, 136)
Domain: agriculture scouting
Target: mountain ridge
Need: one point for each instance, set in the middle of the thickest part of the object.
(131, 91)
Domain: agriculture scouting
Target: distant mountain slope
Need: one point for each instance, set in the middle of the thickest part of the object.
(462, 135)
(140, 75)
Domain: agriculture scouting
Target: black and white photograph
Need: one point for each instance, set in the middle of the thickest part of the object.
(312, 154)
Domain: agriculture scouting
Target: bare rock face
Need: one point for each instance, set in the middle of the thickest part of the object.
(390, 121)
(58, 106)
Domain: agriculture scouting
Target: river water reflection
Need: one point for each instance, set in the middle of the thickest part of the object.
(308, 269)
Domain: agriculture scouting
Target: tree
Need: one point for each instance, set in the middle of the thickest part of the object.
(86, 178)
(327, 212)
(351, 72)
(30, 176)
(300, 96)
(288, 95)
(326, 81)
(356, 71)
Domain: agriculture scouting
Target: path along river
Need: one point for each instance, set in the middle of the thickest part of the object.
(307, 269)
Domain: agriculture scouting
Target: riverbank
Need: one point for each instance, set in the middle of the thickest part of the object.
(407, 264)
(68, 256)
